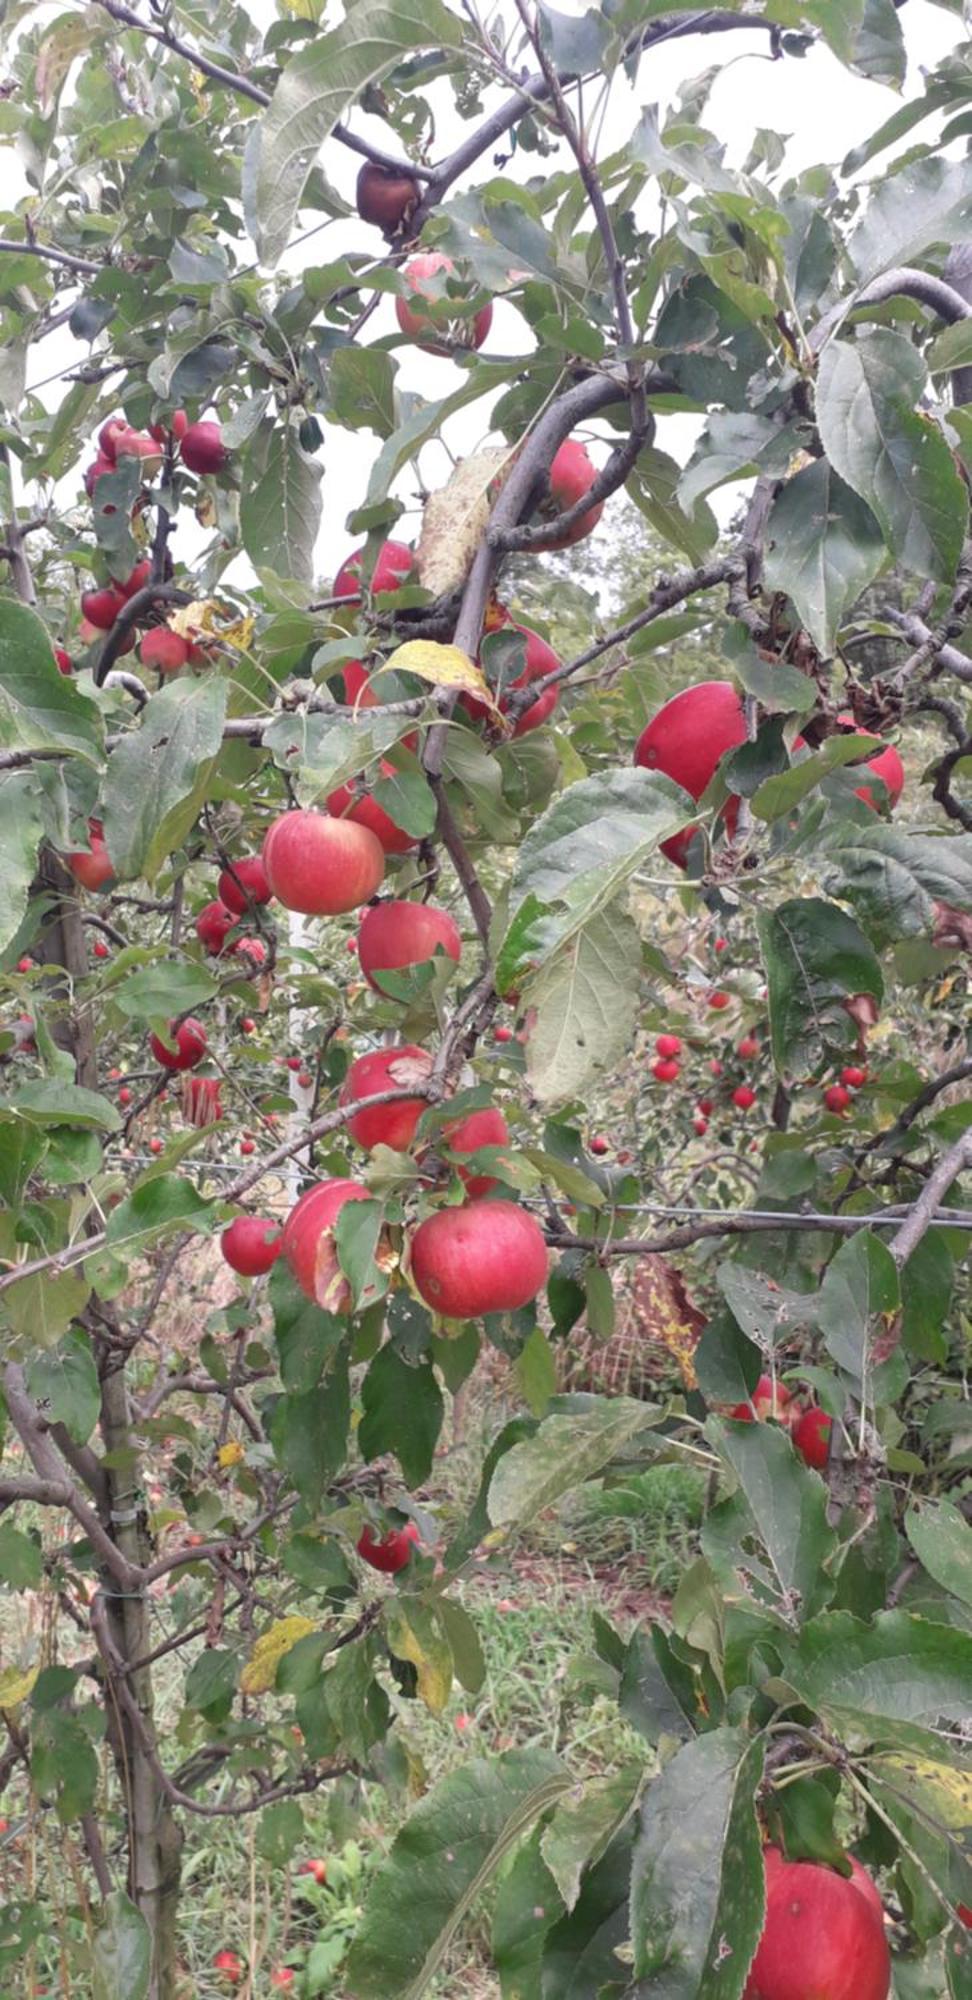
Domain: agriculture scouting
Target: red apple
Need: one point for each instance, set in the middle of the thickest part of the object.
(95, 471)
(393, 565)
(572, 474)
(202, 449)
(385, 196)
(764, 1403)
(668, 1045)
(700, 1124)
(397, 1068)
(600, 1145)
(811, 1436)
(886, 765)
(837, 1099)
(394, 936)
(502, 1034)
(854, 1077)
(190, 1045)
(823, 1936)
(308, 1242)
(230, 1965)
(100, 948)
(748, 1047)
(247, 1148)
(101, 607)
(252, 951)
(65, 664)
(392, 1551)
(666, 1072)
(718, 1001)
(448, 326)
(705, 1106)
(164, 649)
(316, 1868)
(138, 444)
(247, 884)
(540, 660)
(686, 740)
(486, 1257)
(156, 1146)
(283, 1977)
(92, 869)
(465, 1135)
(213, 926)
(744, 1097)
(251, 1245)
(124, 1096)
(321, 866)
(247, 1025)
(346, 803)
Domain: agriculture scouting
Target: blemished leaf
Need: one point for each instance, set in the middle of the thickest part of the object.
(21, 830)
(260, 1671)
(417, 1634)
(816, 958)
(441, 666)
(317, 86)
(157, 777)
(858, 1298)
(584, 1823)
(320, 752)
(402, 1413)
(121, 1951)
(824, 547)
(64, 1383)
(788, 1505)
(898, 1667)
(439, 1862)
(40, 708)
(527, 1904)
(582, 1006)
(696, 1922)
(566, 1451)
(588, 1946)
(280, 509)
(652, 1694)
(894, 878)
(63, 1763)
(894, 456)
(942, 1540)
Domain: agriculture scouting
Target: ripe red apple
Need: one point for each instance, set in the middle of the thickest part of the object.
(308, 1242)
(101, 607)
(138, 444)
(705, 1105)
(811, 1436)
(230, 1965)
(668, 1045)
(390, 1552)
(321, 866)
(112, 428)
(425, 276)
(346, 803)
(202, 449)
(539, 660)
(385, 197)
(718, 1001)
(305, 1080)
(156, 1146)
(721, 944)
(837, 1099)
(247, 884)
(190, 1045)
(396, 935)
(65, 664)
(124, 1096)
(252, 951)
(247, 1025)
(136, 579)
(823, 1935)
(502, 1034)
(572, 474)
(886, 765)
(247, 1148)
(397, 1068)
(213, 926)
(465, 1135)
(488, 1256)
(743, 1097)
(393, 565)
(283, 1977)
(100, 949)
(600, 1145)
(95, 471)
(666, 1071)
(92, 869)
(251, 1245)
(316, 1868)
(748, 1047)
(764, 1403)
(686, 740)
(700, 1124)
(164, 649)
(854, 1077)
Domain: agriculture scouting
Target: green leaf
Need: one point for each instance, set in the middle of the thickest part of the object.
(321, 752)
(21, 832)
(41, 1308)
(155, 992)
(927, 201)
(894, 878)
(211, 1681)
(823, 548)
(653, 486)
(408, 799)
(402, 1413)
(305, 1335)
(319, 83)
(588, 1947)
(356, 1235)
(64, 1382)
(697, 1887)
(733, 445)
(860, 1288)
(655, 1694)
(898, 1667)
(952, 349)
(280, 508)
(942, 1541)
(467, 1653)
(582, 1826)
(158, 776)
(815, 958)
(309, 1432)
(362, 385)
(536, 1371)
(159, 1203)
(779, 795)
(51, 1101)
(583, 1006)
(439, 1863)
(788, 1505)
(280, 1832)
(927, 1284)
(21, 1558)
(63, 1763)
(527, 1904)
(565, 1451)
(894, 457)
(40, 708)
(121, 1951)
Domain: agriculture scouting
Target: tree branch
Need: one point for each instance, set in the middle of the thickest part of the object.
(950, 1166)
(83, 265)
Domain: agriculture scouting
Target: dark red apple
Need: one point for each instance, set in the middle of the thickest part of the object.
(190, 1045)
(247, 884)
(320, 865)
(686, 740)
(398, 1068)
(251, 1245)
(838, 1099)
(390, 1552)
(811, 1436)
(202, 449)
(213, 926)
(743, 1097)
(101, 607)
(396, 935)
(385, 197)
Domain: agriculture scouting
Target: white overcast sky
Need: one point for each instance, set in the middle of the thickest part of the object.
(818, 105)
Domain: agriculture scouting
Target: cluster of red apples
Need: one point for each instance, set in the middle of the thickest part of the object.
(808, 1425)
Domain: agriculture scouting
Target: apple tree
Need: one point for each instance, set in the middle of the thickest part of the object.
(473, 887)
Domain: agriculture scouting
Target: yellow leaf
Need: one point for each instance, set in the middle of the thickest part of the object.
(941, 1789)
(260, 1672)
(205, 619)
(443, 666)
(455, 519)
(15, 1685)
(230, 1454)
(414, 1634)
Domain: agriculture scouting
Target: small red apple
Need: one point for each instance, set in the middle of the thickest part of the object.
(247, 884)
(25, 964)
(95, 868)
(282, 1978)
(747, 1048)
(316, 1868)
(447, 327)
(743, 1097)
(854, 1077)
(124, 1096)
(247, 1025)
(156, 1146)
(164, 649)
(539, 660)
(138, 444)
(202, 449)
(502, 1033)
(393, 1124)
(95, 471)
(666, 1072)
(765, 1402)
(705, 1106)
(686, 740)
(135, 581)
(392, 1551)
(190, 1045)
(65, 664)
(600, 1145)
(486, 1257)
(252, 951)
(321, 866)
(213, 926)
(308, 1242)
(100, 948)
(101, 607)
(718, 1000)
(465, 1135)
(251, 1245)
(394, 936)
(811, 1436)
(668, 1045)
(385, 196)
(572, 474)
(393, 565)
(247, 1148)
(837, 1099)
(230, 1965)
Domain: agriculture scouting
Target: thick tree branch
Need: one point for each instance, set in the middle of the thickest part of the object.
(43, 1455)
